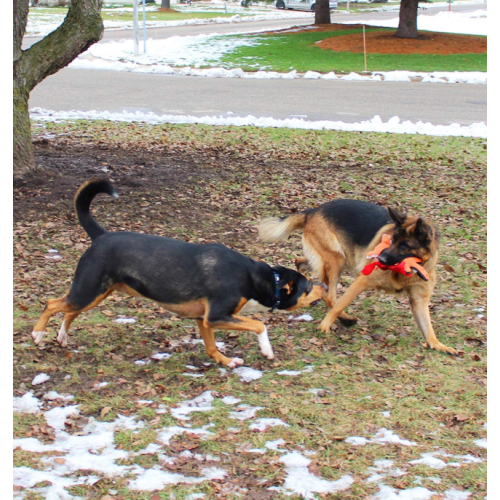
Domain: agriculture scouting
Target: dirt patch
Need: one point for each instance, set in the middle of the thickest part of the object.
(163, 9)
(384, 42)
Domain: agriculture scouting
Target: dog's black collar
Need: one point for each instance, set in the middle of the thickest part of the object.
(276, 291)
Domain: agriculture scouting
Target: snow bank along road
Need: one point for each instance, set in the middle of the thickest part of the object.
(311, 100)
(440, 104)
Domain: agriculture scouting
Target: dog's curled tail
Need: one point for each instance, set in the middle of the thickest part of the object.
(83, 198)
(276, 229)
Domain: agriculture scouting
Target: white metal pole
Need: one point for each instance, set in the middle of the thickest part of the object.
(364, 46)
(136, 29)
(144, 23)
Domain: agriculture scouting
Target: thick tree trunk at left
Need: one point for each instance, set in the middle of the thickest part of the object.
(322, 12)
(24, 158)
(81, 28)
(408, 13)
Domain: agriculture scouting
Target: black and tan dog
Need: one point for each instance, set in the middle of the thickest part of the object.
(209, 283)
(341, 232)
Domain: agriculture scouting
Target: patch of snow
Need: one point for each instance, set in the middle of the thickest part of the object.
(466, 23)
(230, 400)
(40, 379)
(203, 402)
(142, 362)
(301, 482)
(386, 436)
(382, 436)
(161, 355)
(124, 320)
(53, 395)
(418, 493)
(262, 424)
(245, 412)
(290, 373)
(357, 441)
(482, 443)
(27, 404)
(273, 445)
(303, 317)
(93, 450)
(156, 479)
(393, 125)
(389, 493)
(316, 391)
(453, 494)
(195, 375)
(247, 374)
(294, 373)
(386, 414)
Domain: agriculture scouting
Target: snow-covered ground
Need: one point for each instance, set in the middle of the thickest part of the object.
(84, 457)
(393, 125)
(42, 22)
(466, 23)
(185, 55)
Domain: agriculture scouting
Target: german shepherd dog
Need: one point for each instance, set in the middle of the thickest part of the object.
(210, 283)
(339, 234)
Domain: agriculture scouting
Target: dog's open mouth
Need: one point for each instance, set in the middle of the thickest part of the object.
(316, 302)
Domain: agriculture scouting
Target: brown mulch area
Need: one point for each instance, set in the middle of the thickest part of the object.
(384, 42)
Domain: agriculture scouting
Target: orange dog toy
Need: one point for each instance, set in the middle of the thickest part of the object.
(405, 267)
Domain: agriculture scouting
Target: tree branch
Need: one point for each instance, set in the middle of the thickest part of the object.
(81, 28)
(20, 14)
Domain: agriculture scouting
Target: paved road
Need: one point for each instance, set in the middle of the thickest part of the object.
(85, 90)
(441, 104)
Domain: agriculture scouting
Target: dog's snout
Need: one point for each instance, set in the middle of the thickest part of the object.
(383, 259)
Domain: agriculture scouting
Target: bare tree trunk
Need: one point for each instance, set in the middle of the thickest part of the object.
(165, 4)
(408, 12)
(81, 28)
(322, 12)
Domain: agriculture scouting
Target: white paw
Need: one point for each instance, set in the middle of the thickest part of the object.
(235, 362)
(265, 346)
(37, 336)
(62, 336)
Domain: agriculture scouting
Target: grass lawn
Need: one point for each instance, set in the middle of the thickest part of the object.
(289, 52)
(205, 184)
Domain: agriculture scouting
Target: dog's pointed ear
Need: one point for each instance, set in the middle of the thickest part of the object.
(423, 231)
(396, 216)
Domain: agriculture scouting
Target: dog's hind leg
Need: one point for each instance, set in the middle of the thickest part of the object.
(359, 285)
(419, 303)
(332, 270)
(62, 336)
(52, 307)
(210, 346)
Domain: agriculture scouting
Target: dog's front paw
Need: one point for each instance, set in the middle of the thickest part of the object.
(325, 326)
(37, 336)
(443, 348)
(266, 348)
(235, 362)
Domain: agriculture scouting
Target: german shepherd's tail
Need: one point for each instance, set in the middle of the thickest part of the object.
(83, 198)
(276, 229)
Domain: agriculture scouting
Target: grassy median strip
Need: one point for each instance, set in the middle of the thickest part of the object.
(299, 51)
